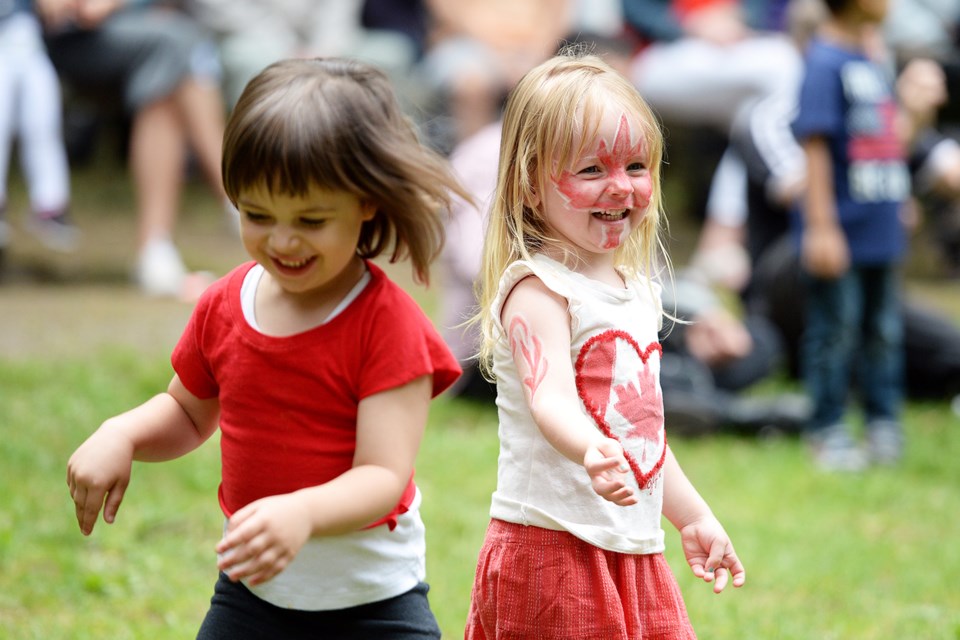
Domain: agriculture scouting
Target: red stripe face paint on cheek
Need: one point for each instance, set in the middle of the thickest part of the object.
(616, 188)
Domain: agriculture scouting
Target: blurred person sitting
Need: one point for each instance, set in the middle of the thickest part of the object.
(929, 29)
(165, 70)
(30, 113)
(477, 50)
(251, 34)
(709, 358)
(727, 65)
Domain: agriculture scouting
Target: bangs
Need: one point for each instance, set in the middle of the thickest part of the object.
(298, 136)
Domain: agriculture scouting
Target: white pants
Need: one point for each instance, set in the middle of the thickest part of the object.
(31, 111)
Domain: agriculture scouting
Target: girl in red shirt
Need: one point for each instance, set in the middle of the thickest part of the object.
(317, 369)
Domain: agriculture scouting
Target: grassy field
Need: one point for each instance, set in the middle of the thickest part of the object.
(873, 556)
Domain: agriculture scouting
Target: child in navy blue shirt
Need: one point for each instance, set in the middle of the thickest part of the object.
(851, 237)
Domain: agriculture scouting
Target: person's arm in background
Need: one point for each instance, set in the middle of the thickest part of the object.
(824, 249)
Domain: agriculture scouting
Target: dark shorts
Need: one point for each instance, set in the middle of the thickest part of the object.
(142, 54)
(237, 614)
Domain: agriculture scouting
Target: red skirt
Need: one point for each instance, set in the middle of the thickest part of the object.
(537, 583)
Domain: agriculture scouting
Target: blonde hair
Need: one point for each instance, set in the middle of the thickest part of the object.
(336, 124)
(551, 116)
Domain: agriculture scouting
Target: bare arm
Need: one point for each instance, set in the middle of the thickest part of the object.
(538, 327)
(167, 426)
(824, 252)
(706, 545)
(263, 537)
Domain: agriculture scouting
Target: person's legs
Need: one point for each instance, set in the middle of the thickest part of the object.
(880, 367)
(150, 56)
(832, 334)
(30, 108)
(9, 81)
(201, 116)
(829, 341)
(156, 156)
(43, 154)
(7, 93)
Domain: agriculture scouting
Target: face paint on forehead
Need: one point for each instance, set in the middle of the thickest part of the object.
(614, 158)
(622, 149)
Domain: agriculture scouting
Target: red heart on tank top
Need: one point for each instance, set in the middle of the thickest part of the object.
(620, 392)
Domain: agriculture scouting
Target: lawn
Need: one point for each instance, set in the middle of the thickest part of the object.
(871, 556)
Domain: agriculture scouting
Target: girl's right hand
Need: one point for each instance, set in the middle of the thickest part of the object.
(99, 469)
(608, 470)
(263, 537)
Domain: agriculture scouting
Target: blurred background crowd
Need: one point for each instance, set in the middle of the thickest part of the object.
(723, 75)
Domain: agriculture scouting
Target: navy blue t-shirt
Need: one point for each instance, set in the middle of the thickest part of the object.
(849, 100)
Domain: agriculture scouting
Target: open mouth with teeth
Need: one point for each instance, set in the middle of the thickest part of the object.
(612, 216)
(293, 265)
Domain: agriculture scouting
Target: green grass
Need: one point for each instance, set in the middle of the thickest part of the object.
(867, 557)
(872, 556)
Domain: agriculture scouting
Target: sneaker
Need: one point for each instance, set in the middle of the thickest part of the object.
(834, 450)
(160, 271)
(54, 230)
(884, 442)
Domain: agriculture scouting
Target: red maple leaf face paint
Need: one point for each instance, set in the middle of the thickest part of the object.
(606, 192)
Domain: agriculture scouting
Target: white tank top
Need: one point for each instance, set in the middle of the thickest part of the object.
(615, 353)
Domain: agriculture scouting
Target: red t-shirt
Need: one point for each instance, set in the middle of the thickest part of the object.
(288, 406)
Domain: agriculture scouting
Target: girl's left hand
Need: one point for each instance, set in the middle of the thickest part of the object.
(262, 538)
(710, 553)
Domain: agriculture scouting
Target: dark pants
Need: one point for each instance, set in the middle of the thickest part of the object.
(236, 614)
(931, 339)
(854, 332)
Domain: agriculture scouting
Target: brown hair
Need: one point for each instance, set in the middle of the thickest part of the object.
(336, 124)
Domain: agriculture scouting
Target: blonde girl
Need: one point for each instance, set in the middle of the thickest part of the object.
(570, 313)
(317, 369)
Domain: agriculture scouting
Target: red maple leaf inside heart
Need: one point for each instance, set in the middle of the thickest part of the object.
(641, 405)
(637, 401)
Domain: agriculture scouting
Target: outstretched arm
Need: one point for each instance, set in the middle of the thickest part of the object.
(706, 545)
(538, 327)
(264, 536)
(165, 427)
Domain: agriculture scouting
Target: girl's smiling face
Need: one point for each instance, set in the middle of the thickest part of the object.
(306, 243)
(596, 203)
